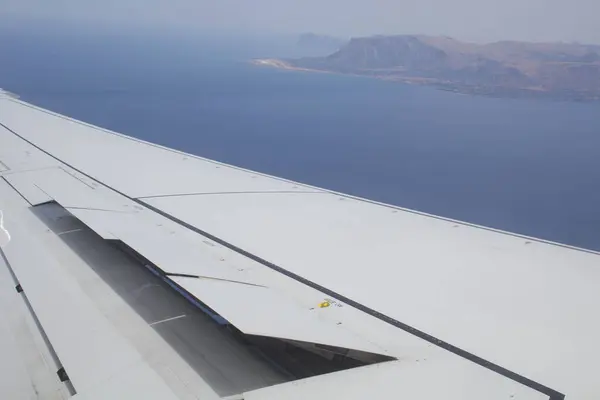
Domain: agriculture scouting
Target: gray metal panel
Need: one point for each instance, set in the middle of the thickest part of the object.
(191, 353)
(264, 311)
(177, 250)
(502, 297)
(27, 370)
(126, 166)
(88, 346)
(134, 382)
(17, 154)
(25, 184)
(429, 380)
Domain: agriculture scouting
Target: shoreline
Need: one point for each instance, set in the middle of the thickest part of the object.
(280, 64)
(447, 86)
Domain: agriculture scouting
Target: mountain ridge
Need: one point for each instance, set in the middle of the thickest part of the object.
(506, 68)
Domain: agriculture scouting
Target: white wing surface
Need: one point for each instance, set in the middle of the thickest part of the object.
(137, 271)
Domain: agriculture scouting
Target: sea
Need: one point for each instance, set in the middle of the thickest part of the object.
(528, 166)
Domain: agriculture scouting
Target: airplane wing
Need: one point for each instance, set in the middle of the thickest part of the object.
(131, 270)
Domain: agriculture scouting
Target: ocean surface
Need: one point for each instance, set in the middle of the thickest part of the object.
(527, 166)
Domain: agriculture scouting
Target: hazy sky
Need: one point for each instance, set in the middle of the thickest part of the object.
(480, 20)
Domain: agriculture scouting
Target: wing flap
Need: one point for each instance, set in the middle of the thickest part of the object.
(263, 311)
(25, 184)
(441, 378)
(88, 346)
(240, 290)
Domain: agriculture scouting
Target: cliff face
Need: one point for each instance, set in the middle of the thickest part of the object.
(555, 69)
(389, 52)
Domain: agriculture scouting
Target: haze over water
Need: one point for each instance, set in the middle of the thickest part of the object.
(527, 166)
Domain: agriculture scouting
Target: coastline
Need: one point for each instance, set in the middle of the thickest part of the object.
(447, 86)
(280, 64)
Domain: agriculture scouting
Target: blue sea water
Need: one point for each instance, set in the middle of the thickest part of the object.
(527, 166)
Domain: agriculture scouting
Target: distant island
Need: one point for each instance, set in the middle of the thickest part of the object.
(568, 71)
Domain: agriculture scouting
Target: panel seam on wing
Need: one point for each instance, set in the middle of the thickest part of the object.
(213, 279)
